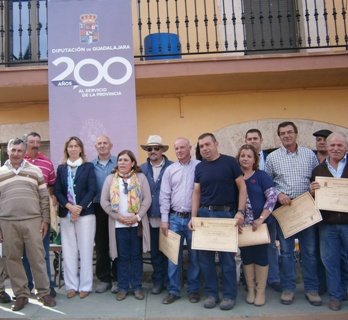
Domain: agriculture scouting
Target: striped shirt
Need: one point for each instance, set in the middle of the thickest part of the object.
(23, 193)
(291, 171)
(46, 167)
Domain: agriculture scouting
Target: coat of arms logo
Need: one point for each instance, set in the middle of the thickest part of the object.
(89, 29)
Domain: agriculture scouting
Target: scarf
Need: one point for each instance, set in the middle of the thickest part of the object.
(132, 189)
(72, 168)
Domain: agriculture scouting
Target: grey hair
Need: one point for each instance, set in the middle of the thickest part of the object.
(14, 142)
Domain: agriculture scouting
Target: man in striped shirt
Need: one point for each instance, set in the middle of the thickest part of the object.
(24, 220)
(35, 157)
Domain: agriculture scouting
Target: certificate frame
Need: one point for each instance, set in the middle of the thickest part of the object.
(170, 245)
(298, 216)
(248, 237)
(215, 234)
(332, 194)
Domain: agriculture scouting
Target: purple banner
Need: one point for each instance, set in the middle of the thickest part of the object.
(91, 74)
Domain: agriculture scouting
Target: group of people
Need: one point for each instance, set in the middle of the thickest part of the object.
(120, 209)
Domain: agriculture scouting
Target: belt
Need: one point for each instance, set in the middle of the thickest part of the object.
(218, 208)
(181, 214)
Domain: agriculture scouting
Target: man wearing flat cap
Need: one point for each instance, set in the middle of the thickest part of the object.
(320, 143)
(154, 168)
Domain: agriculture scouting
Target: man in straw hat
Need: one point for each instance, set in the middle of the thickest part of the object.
(154, 168)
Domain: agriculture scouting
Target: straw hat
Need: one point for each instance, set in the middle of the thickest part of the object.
(154, 140)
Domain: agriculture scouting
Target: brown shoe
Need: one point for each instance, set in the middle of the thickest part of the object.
(48, 301)
(194, 297)
(287, 297)
(139, 294)
(19, 304)
(335, 305)
(121, 295)
(71, 294)
(314, 298)
(84, 294)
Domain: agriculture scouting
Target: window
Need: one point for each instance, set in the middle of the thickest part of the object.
(24, 25)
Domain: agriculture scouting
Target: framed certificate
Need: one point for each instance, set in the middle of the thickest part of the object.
(170, 245)
(248, 237)
(215, 234)
(298, 216)
(332, 195)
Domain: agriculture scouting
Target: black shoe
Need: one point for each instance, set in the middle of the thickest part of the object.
(157, 289)
(170, 298)
(276, 286)
(53, 293)
(4, 297)
(194, 297)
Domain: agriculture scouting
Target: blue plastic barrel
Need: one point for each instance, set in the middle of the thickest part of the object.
(165, 45)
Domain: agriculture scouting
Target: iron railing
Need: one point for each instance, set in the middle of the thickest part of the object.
(176, 28)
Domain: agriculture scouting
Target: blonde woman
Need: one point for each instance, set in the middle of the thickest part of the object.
(75, 189)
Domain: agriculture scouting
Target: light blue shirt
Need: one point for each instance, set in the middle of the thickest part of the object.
(177, 188)
(102, 171)
(337, 173)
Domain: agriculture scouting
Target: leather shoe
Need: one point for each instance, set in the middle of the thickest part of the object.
(19, 304)
(139, 294)
(335, 305)
(170, 298)
(210, 302)
(102, 287)
(84, 294)
(314, 299)
(157, 289)
(287, 297)
(4, 297)
(48, 301)
(227, 304)
(194, 297)
(71, 294)
(121, 295)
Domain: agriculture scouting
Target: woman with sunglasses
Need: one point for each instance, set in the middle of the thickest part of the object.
(126, 197)
(75, 189)
(261, 200)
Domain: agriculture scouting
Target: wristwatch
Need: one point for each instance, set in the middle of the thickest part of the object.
(138, 217)
(241, 211)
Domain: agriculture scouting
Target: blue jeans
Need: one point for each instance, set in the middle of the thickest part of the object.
(273, 255)
(308, 257)
(334, 241)
(46, 243)
(129, 261)
(226, 260)
(158, 260)
(180, 226)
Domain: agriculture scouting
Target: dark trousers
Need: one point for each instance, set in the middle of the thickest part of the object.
(104, 269)
(158, 260)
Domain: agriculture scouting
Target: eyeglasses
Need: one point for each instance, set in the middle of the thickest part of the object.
(125, 186)
(149, 149)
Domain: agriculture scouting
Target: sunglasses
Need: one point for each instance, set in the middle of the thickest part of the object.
(149, 149)
(125, 186)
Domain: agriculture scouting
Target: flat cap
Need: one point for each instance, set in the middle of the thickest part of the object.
(322, 133)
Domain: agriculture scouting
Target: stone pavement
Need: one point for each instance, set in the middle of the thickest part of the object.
(104, 306)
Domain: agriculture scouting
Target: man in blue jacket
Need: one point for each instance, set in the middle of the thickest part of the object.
(154, 168)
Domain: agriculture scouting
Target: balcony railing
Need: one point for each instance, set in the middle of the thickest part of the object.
(165, 29)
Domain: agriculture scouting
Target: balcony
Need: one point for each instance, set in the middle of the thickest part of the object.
(191, 29)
